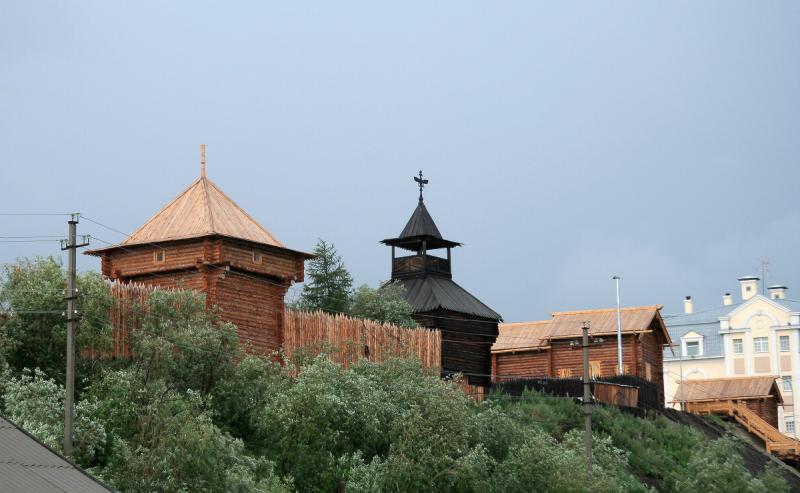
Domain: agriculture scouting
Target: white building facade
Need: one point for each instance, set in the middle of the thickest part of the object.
(755, 336)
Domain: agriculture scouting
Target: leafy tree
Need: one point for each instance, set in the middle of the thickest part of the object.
(385, 304)
(36, 403)
(719, 468)
(177, 447)
(330, 285)
(33, 334)
(160, 409)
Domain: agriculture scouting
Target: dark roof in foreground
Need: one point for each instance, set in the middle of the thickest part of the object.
(27, 465)
(429, 293)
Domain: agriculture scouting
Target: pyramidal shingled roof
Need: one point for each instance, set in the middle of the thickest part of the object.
(420, 224)
(200, 210)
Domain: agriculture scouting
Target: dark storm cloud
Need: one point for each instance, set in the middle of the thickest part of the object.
(564, 143)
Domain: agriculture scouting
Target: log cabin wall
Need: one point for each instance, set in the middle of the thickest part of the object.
(766, 408)
(640, 352)
(141, 260)
(508, 366)
(652, 360)
(466, 343)
(568, 358)
(255, 306)
(279, 264)
(246, 281)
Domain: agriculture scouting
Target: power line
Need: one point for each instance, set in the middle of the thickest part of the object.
(30, 236)
(29, 241)
(110, 228)
(36, 213)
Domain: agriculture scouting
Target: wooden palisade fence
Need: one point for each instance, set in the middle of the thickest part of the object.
(127, 302)
(345, 339)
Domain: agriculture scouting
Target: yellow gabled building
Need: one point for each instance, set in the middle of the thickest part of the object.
(757, 335)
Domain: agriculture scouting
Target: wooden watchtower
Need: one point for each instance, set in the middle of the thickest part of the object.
(203, 241)
(469, 327)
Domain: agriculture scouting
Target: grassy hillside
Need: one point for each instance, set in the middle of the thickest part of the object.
(660, 452)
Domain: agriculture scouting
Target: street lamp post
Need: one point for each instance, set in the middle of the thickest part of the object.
(619, 328)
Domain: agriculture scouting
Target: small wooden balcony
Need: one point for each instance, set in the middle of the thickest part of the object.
(414, 265)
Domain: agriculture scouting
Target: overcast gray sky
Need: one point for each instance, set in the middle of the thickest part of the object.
(564, 142)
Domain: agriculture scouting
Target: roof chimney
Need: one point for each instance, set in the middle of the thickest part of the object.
(777, 292)
(749, 285)
(688, 305)
(727, 299)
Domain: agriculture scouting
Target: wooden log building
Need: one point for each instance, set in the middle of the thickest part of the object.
(552, 348)
(204, 241)
(468, 326)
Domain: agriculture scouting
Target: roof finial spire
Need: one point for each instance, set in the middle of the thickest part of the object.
(202, 160)
(421, 183)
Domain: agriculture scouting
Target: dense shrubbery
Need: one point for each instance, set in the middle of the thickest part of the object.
(191, 411)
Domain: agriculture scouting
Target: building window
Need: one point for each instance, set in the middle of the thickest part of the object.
(784, 344)
(786, 383)
(257, 258)
(594, 369)
(761, 344)
(648, 372)
(789, 422)
(626, 369)
(564, 372)
(738, 346)
(692, 348)
(159, 256)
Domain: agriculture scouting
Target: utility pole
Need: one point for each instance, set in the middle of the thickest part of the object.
(619, 330)
(71, 297)
(587, 399)
(680, 382)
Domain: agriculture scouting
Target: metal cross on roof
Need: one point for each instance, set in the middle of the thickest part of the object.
(421, 183)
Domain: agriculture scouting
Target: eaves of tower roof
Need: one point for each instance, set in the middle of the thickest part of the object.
(200, 210)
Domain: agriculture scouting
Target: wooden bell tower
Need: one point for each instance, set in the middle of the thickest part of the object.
(469, 327)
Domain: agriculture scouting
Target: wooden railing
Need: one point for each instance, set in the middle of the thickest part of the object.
(414, 264)
(774, 441)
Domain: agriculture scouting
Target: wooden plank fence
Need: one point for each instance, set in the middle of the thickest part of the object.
(616, 394)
